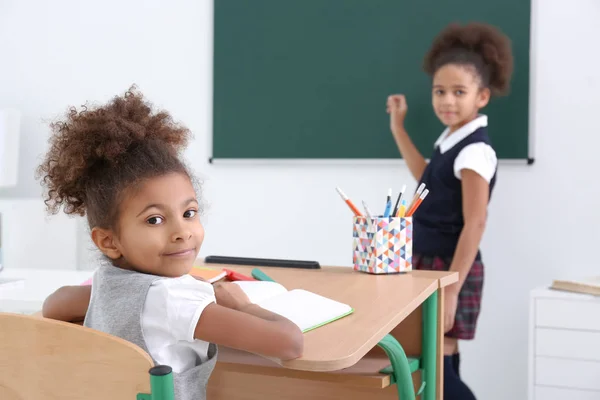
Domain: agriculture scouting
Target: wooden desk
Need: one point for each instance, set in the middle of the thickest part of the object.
(341, 360)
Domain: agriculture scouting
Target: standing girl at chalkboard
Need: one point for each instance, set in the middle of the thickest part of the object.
(468, 64)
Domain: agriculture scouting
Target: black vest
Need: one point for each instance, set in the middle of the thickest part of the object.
(439, 220)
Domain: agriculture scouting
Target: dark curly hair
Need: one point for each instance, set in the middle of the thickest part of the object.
(99, 153)
(481, 46)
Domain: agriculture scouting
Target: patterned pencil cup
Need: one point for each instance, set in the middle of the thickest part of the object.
(382, 245)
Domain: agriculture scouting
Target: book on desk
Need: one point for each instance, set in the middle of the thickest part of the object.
(590, 285)
(306, 309)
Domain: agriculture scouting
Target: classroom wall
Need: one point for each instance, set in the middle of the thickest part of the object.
(543, 220)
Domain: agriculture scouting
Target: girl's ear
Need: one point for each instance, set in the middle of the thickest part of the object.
(105, 241)
(483, 97)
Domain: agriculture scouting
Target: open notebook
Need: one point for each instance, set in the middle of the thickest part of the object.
(306, 309)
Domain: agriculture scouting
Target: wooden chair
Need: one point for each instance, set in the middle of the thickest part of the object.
(46, 359)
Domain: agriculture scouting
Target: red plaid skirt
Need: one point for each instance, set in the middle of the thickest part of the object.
(469, 298)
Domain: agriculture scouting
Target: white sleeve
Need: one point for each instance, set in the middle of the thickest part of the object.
(173, 307)
(479, 157)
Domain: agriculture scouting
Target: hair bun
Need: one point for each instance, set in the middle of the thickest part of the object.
(482, 40)
(94, 138)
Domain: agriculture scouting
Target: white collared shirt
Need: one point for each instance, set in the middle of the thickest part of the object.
(479, 157)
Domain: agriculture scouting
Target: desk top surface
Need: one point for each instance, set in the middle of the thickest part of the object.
(380, 303)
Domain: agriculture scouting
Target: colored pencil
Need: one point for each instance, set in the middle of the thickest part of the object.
(348, 202)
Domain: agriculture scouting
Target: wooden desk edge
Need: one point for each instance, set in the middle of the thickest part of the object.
(445, 278)
(448, 280)
(370, 380)
(352, 359)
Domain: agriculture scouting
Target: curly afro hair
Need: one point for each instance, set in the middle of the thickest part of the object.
(99, 153)
(480, 46)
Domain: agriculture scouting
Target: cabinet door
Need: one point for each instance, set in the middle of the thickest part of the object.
(565, 373)
(565, 343)
(567, 314)
(552, 393)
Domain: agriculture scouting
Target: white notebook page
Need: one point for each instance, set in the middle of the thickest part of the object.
(306, 309)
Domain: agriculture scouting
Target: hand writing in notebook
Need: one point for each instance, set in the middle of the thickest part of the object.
(230, 295)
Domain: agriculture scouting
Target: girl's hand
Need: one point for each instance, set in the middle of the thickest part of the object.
(231, 296)
(450, 304)
(397, 108)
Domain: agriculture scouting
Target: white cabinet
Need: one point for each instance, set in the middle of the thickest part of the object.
(564, 346)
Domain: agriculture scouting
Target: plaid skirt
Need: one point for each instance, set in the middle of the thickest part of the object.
(469, 298)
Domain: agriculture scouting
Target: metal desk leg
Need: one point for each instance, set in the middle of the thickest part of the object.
(401, 372)
(429, 353)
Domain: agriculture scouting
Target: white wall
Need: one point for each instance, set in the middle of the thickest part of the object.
(543, 221)
(32, 239)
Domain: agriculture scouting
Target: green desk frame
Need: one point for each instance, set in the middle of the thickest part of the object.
(161, 384)
(402, 367)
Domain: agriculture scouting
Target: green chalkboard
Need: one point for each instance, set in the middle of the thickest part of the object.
(308, 79)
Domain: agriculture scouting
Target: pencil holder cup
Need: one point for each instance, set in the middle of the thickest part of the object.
(382, 245)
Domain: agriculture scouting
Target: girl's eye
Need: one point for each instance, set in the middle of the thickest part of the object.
(154, 220)
(190, 214)
(459, 92)
(439, 92)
